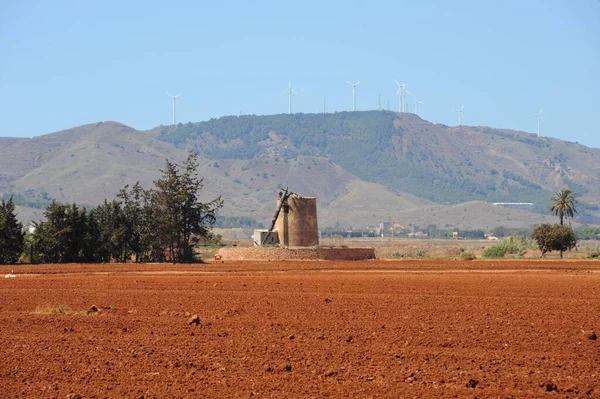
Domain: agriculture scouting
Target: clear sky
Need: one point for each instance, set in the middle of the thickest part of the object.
(68, 63)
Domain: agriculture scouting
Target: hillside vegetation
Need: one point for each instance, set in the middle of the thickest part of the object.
(405, 153)
(364, 167)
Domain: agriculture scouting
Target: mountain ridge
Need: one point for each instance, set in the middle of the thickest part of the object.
(363, 167)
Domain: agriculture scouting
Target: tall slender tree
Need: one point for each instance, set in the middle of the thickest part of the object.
(167, 202)
(12, 237)
(134, 222)
(563, 204)
(197, 217)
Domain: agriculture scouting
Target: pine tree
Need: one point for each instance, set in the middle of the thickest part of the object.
(12, 237)
(197, 217)
(180, 217)
(166, 201)
(136, 233)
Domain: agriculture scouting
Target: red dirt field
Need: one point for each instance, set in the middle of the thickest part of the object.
(302, 329)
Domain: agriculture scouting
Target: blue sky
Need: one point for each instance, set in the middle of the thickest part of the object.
(68, 63)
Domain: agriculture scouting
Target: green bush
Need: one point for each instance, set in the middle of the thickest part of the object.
(468, 256)
(496, 251)
(510, 245)
(554, 238)
(517, 245)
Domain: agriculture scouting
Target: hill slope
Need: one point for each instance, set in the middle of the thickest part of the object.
(363, 167)
(405, 153)
(92, 162)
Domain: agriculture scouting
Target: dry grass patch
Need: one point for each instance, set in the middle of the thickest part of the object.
(60, 309)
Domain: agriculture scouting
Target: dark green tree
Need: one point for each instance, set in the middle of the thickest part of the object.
(75, 234)
(64, 236)
(182, 219)
(167, 201)
(134, 202)
(196, 217)
(554, 238)
(11, 233)
(51, 236)
(563, 204)
(109, 220)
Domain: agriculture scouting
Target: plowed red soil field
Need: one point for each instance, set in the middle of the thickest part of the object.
(302, 329)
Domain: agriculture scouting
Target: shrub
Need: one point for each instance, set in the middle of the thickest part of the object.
(510, 245)
(554, 238)
(496, 251)
(468, 256)
(517, 245)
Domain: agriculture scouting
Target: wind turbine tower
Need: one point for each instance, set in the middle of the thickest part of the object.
(460, 111)
(401, 92)
(174, 98)
(416, 103)
(353, 94)
(540, 120)
(406, 100)
(290, 91)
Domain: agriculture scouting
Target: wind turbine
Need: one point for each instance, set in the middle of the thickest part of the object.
(174, 98)
(416, 104)
(460, 111)
(401, 91)
(412, 94)
(353, 94)
(540, 120)
(290, 91)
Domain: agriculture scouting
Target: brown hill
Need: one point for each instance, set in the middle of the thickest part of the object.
(407, 154)
(357, 182)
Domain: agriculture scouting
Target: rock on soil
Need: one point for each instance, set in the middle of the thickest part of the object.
(194, 320)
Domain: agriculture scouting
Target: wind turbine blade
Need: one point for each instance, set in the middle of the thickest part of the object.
(357, 83)
(294, 91)
(461, 108)
(397, 83)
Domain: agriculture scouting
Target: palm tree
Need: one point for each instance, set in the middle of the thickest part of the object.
(563, 204)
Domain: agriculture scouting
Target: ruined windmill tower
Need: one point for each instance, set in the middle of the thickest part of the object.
(294, 224)
(293, 235)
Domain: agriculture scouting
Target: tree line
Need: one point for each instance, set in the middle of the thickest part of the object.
(161, 224)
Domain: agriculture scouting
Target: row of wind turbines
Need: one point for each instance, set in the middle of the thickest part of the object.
(401, 93)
